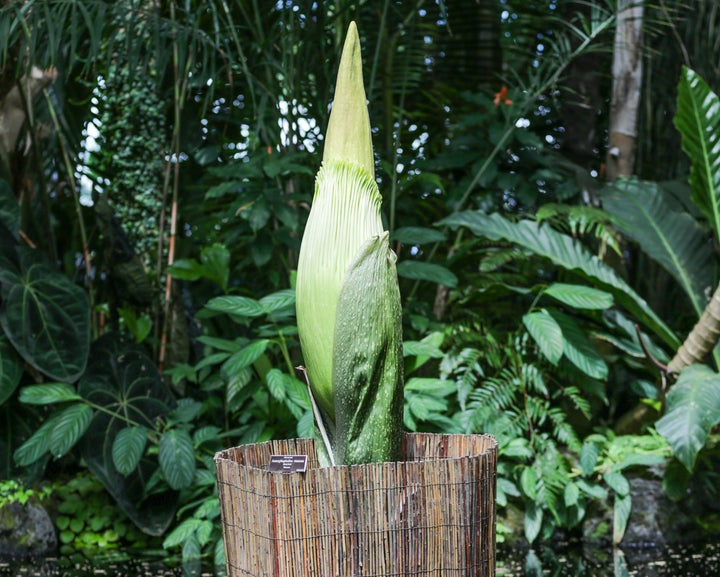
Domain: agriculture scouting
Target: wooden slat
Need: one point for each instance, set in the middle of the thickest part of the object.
(430, 515)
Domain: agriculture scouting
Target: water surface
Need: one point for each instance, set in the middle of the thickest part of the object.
(698, 560)
(701, 560)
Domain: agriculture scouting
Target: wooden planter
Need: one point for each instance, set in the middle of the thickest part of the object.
(431, 515)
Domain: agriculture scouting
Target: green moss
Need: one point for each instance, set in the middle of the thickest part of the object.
(601, 531)
(7, 519)
(88, 522)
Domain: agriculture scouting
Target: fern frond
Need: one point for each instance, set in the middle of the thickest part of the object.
(495, 259)
(533, 379)
(503, 390)
(506, 426)
(537, 410)
(582, 221)
(562, 430)
(578, 401)
(554, 472)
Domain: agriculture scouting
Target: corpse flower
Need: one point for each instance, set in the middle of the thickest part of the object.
(348, 300)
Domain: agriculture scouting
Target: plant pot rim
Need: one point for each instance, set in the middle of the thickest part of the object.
(488, 448)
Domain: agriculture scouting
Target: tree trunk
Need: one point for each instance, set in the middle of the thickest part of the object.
(627, 76)
(702, 339)
(627, 79)
(16, 98)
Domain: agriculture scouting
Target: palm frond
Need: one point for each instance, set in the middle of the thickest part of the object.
(100, 30)
(554, 472)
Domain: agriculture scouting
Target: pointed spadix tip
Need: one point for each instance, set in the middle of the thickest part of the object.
(352, 35)
(348, 136)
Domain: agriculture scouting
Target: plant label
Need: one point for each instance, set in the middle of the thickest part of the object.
(288, 463)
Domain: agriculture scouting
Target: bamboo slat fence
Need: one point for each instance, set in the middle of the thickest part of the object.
(430, 515)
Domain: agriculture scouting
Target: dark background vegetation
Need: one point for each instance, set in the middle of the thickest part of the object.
(156, 172)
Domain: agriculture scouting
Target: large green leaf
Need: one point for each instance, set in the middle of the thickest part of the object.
(11, 369)
(698, 120)
(533, 521)
(624, 335)
(617, 482)
(589, 455)
(578, 349)
(125, 383)
(282, 300)
(17, 425)
(622, 508)
(673, 239)
(580, 296)
(214, 265)
(128, 448)
(70, 426)
(431, 386)
(417, 235)
(236, 305)
(37, 445)
(48, 394)
(45, 316)
(216, 261)
(245, 357)
(693, 409)
(183, 532)
(177, 458)
(566, 252)
(275, 380)
(418, 270)
(546, 333)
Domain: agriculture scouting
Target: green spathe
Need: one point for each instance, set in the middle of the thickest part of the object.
(367, 359)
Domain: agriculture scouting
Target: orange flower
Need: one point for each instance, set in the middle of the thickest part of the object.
(502, 97)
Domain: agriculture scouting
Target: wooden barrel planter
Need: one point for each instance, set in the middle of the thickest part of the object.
(431, 514)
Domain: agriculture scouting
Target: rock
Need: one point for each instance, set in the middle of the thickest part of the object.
(511, 527)
(598, 524)
(655, 520)
(26, 531)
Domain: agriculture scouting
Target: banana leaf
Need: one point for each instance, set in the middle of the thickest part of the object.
(698, 120)
(674, 239)
(693, 410)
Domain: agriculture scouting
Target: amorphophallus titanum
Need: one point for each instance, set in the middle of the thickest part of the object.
(348, 301)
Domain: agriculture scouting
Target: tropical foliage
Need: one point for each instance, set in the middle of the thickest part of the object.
(156, 175)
